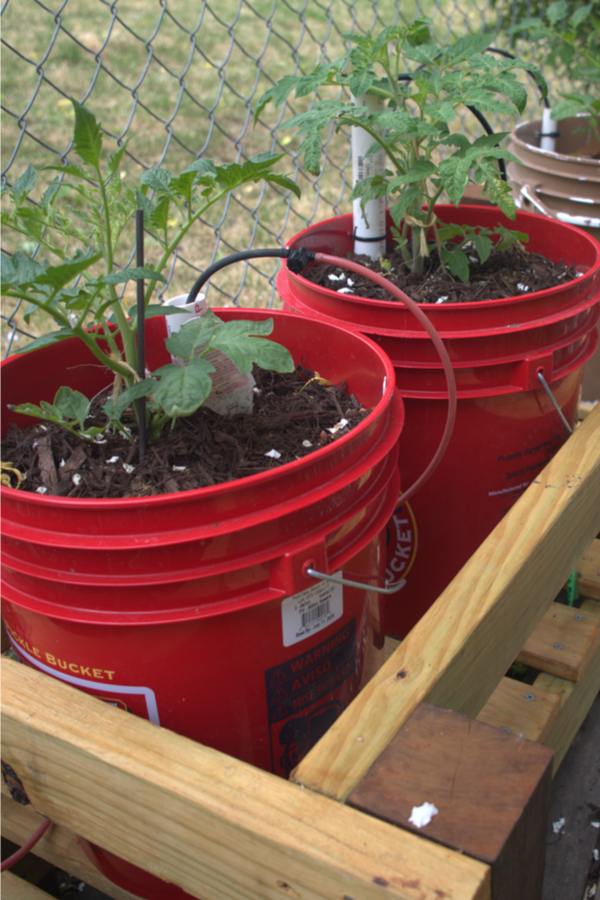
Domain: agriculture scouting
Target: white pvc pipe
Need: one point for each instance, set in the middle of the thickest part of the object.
(371, 223)
(548, 127)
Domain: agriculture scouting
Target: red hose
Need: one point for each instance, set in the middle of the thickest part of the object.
(24, 850)
(323, 259)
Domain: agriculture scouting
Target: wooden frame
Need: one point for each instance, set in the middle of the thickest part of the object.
(220, 828)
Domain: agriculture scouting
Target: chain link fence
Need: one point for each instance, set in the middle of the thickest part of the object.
(180, 79)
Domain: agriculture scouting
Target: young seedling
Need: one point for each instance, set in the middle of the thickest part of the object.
(424, 84)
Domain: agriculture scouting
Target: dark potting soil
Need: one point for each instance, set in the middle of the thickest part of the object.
(294, 415)
(506, 273)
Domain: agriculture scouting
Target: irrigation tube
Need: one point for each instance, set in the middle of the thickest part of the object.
(297, 261)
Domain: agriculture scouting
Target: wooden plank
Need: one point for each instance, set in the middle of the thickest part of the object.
(217, 827)
(15, 888)
(519, 709)
(563, 643)
(490, 789)
(588, 572)
(457, 653)
(58, 846)
(575, 698)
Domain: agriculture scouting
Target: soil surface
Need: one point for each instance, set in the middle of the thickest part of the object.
(294, 415)
(507, 273)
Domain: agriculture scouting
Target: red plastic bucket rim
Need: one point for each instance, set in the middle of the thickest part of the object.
(184, 497)
(446, 309)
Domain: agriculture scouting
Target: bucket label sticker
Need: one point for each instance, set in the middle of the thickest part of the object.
(401, 539)
(136, 699)
(308, 612)
(306, 694)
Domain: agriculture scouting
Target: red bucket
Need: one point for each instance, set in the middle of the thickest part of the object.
(194, 610)
(506, 426)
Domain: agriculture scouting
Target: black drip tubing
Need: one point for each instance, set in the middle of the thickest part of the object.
(297, 260)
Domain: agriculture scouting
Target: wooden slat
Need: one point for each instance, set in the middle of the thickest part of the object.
(511, 707)
(563, 643)
(58, 846)
(15, 888)
(588, 572)
(575, 699)
(458, 652)
(217, 827)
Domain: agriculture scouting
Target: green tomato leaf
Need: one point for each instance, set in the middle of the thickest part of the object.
(311, 146)
(421, 170)
(193, 335)
(73, 406)
(158, 180)
(114, 410)
(457, 262)
(454, 174)
(183, 389)
(75, 171)
(19, 270)
(87, 135)
(483, 245)
(238, 341)
(360, 81)
(58, 276)
(114, 160)
(23, 185)
(51, 338)
(124, 275)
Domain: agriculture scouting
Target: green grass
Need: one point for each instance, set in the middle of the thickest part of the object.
(193, 94)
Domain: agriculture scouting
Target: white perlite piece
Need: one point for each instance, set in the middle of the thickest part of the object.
(128, 468)
(338, 426)
(274, 454)
(76, 479)
(558, 826)
(422, 815)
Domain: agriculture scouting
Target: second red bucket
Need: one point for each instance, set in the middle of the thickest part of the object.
(506, 425)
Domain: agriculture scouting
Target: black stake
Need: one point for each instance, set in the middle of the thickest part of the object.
(141, 327)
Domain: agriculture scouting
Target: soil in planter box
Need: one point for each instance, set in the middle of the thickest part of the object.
(294, 415)
(506, 273)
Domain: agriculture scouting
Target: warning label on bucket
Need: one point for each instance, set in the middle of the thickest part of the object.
(305, 695)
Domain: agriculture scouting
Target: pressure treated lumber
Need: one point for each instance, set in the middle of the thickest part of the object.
(588, 572)
(490, 790)
(457, 653)
(517, 707)
(564, 643)
(575, 698)
(58, 846)
(217, 827)
(15, 888)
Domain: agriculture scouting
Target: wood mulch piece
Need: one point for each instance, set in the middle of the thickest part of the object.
(506, 273)
(292, 415)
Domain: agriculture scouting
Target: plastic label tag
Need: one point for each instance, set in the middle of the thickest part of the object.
(311, 610)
